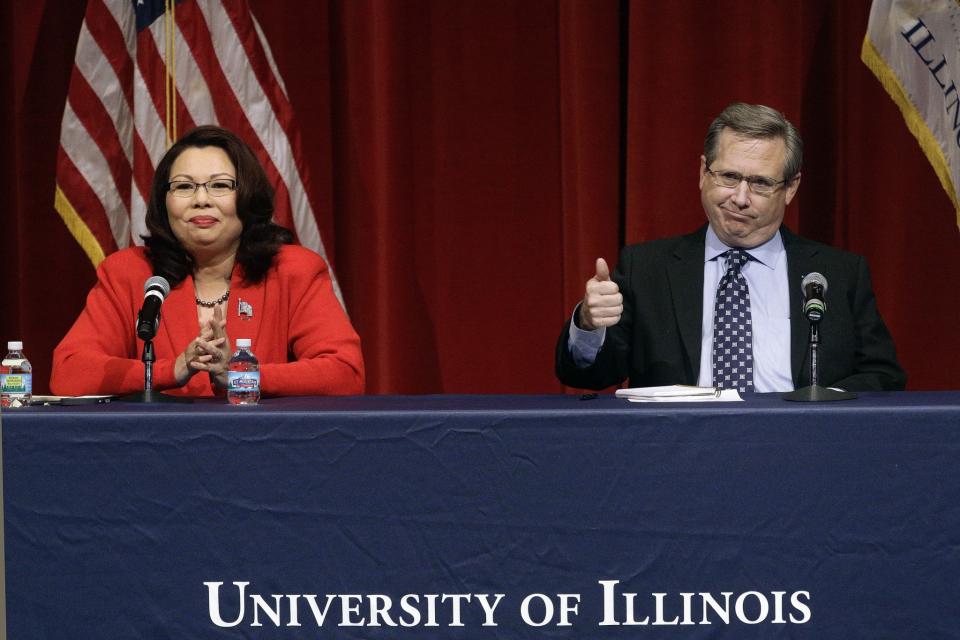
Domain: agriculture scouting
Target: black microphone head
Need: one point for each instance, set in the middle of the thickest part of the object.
(814, 286)
(157, 283)
(155, 291)
(813, 278)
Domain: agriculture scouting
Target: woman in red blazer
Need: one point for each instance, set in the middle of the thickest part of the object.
(233, 274)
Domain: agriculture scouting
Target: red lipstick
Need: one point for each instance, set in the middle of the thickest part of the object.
(204, 222)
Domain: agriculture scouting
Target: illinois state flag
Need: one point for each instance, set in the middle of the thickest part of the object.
(913, 47)
(147, 71)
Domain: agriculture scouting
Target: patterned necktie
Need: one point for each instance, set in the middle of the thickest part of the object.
(733, 328)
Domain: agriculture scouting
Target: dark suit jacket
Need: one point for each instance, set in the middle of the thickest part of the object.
(657, 341)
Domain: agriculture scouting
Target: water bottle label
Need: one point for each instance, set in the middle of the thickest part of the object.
(243, 380)
(19, 383)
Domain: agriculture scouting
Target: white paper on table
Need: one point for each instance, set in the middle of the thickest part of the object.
(678, 393)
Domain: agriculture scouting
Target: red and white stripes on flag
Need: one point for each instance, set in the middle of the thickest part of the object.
(147, 71)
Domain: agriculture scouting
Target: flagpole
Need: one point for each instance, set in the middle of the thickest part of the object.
(170, 67)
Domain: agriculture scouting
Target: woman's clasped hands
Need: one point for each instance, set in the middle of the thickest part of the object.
(210, 351)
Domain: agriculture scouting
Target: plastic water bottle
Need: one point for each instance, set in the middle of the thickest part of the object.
(16, 377)
(243, 375)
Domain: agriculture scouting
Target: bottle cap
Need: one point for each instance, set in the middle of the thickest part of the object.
(14, 345)
(243, 343)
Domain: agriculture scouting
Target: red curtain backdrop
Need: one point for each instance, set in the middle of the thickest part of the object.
(470, 160)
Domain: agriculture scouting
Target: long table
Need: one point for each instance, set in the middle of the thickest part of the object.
(485, 517)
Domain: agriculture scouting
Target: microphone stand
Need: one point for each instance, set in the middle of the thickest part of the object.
(148, 395)
(148, 360)
(814, 392)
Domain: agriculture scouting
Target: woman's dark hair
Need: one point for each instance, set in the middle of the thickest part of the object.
(260, 239)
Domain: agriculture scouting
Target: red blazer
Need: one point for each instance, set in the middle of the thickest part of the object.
(301, 335)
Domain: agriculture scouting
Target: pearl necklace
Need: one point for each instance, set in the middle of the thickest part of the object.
(210, 304)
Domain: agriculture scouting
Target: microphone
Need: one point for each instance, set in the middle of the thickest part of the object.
(814, 286)
(155, 290)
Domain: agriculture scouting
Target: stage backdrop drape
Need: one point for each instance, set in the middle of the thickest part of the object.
(471, 159)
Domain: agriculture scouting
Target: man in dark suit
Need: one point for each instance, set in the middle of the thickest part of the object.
(722, 306)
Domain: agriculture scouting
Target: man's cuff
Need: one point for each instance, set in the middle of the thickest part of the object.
(584, 345)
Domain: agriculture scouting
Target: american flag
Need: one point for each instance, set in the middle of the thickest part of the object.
(146, 72)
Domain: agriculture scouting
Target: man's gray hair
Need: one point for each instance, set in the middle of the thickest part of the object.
(761, 122)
